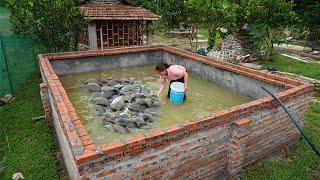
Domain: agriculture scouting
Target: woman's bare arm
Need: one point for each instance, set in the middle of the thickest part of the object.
(186, 80)
(162, 87)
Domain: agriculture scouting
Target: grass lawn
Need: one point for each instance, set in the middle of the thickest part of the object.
(286, 64)
(203, 34)
(26, 145)
(299, 161)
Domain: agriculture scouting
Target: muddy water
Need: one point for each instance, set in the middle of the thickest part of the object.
(203, 98)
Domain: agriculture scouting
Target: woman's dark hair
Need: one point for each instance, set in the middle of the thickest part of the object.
(162, 67)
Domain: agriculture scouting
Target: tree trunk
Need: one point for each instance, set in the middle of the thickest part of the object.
(190, 37)
(271, 50)
(196, 39)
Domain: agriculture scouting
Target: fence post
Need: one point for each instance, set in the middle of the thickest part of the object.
(6, 63)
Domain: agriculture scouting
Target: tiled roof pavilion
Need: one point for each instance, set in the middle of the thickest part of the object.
(115, 23)
(116, 10)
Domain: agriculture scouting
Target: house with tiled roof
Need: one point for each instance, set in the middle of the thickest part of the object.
(115, 23)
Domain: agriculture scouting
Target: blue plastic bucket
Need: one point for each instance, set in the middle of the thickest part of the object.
(177, 93)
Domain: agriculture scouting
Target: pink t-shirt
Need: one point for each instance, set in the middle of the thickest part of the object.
(174, 72)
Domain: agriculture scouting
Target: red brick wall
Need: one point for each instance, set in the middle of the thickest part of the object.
(222, 147)
(218, 145)
(44, 94)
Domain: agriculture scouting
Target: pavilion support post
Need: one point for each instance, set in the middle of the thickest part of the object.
(101, 37)
(149, 32)
(92, 33)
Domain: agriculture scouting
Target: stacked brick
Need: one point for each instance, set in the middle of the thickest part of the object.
(237, 147)
(221, 146)
(215, 146)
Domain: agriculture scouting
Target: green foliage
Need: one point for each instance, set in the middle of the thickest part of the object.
(194, 12)
(53, 23)
(190, 12)
(152, 5)
(26, 145)
(221, 13)
(267, 20)
(308, 12)
(215, 40)
(218, 41)
(270, 12)
(263, 38)
(211, 39)
(172, 13)
(309, 15)
(2, 2)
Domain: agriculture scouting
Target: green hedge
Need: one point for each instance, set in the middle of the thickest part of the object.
(2, 2)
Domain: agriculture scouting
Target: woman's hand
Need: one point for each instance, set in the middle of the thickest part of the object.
(162, 87)
(185, 87)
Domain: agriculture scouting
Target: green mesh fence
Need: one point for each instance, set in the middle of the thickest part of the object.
(17, 58)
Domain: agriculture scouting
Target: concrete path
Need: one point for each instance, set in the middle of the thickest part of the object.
(295, 57)
(301, 58)
(292, 47)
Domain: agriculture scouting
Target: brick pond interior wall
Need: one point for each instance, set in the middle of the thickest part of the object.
(219, 145)
(80, 65)
(237, 82)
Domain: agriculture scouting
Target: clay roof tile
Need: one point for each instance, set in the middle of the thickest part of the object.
(117, 12)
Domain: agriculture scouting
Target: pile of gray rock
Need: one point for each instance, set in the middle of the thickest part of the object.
(6, 99)
(230, 48)
(233, 48)
(124, 104)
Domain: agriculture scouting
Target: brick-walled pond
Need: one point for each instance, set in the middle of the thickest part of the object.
(219, 144)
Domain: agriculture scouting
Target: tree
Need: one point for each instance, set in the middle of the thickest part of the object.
(308, 12)
(53, 23)
(220, 13)
(309, 18)
(152, 5)
(172, 13)
(267, 19)
(194, 14)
